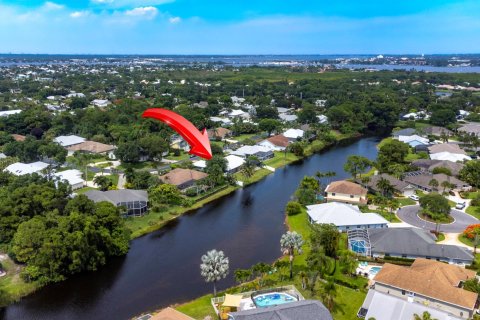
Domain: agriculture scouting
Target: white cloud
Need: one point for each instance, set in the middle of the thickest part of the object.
(129, 3)
(101, 1)
(175, 20)
(79, 14)
(146, 12)
(51, 6)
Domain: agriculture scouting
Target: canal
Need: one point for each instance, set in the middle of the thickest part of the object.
(162, 268)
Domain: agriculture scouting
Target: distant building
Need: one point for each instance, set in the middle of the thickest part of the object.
(93, 147)
(294, 134)
(413, 140)
(134, 201)
(20, 168)
(218, 133)
(261, 152)
(67, 141)
(471, 128)
(18, 137)
(9, 112)
(400, 187)
(100, 103)
(234, 163)
(73, 177)
(288, 117)
(422, 181)
(446, 147)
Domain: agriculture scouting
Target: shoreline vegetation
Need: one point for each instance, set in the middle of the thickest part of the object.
(13, 287)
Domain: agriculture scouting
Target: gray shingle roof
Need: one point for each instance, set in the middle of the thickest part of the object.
(399, 185)
(414, 242)
(300, 310)
(117, 196)
(404, 132)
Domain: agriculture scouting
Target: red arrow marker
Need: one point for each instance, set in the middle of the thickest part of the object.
(198, 141)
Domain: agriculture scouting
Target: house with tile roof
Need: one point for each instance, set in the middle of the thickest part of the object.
(276, 143)
(346, 191)
(401, 187)
(429, 283)
(183, 178)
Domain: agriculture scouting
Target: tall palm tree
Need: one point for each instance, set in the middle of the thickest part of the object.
(214, 267)
(102, 182)
(328, 294)
(425, 316)
(385, 187)
(289, 243)
(434, 184)
(304, 278)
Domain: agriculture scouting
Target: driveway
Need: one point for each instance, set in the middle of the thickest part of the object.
(409, 214)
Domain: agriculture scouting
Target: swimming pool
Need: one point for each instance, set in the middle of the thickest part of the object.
(374, 270)
(273, 299)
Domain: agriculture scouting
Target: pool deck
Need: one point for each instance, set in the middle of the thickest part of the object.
(362, 270)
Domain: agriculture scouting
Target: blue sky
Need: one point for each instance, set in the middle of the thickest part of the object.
(239, 26)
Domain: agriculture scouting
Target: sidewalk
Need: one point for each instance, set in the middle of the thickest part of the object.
(452, 239)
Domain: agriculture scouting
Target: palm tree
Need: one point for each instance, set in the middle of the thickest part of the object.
(290, 242)
(318, 263)
(103, 182)
(248, 169)
(303, 278)
(425, 316)
(385, 187)
(242, 275)
(328, 294)
(444, 136)
(214, 267)
(261, 269)
(446, 184)
(434, 184)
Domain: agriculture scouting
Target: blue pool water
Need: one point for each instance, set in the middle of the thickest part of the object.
(374, 270)
(273, 299)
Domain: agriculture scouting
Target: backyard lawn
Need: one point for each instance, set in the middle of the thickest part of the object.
(280, 159)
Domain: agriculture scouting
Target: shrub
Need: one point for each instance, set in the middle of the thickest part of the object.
(176, 152)
(192, 192)
(293, 208)
(476, 201)
(471, 230)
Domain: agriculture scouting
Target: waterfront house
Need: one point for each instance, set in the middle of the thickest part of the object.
(400, 187)
(413, 140)
(234, 163)
(20, 168)
(304, 310)
(429, 165)
(294, 134)
(410, 243)
(183, 178)
(404, 132)
(344, 216)
(261, 152)
(275, 143)
(346, 191)
(427, 283)
(135, 202)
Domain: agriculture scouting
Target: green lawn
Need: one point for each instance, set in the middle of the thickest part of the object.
(83, 190)
(473, 211)
(465, 240)
(199, 308)
(440, 237)
(257, 176)
(113, 178)
(406, 202)
(182, 156)
(139, 166)
(12, 285)
(281, 159)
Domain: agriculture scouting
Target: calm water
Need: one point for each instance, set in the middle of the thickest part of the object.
(162, 268)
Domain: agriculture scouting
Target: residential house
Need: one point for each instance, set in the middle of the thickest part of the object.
(223, 121)
(75, 95)
(404, 132)
(346, 191)
(322, 119)
(471, 128)
(436, 131)
(234, 163)
(20, 168)
(344, 216)
(381, 306)
(218, 133)
(261, 152)
(409, 243)
(93, 147)
(183, 178)
(67, 141)
(135, 202)
(446, 147)
(100, 103)
(177, 142)
(7, 113)
(303, 309)
(413, 140)
(288, 117)
(430, 165)
(73, 177)
(428, 283)
(276, 143)
(400, 187)
(415, 115)
(293, 134)
(422, 181)
(448, 156)
(169, 314)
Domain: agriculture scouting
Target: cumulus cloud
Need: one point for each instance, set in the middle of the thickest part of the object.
(130, 3)
(146, 12)
(175, 20)
(51, 6)
(79, 14)
(101, 1)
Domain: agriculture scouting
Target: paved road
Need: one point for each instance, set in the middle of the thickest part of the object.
(462, 220)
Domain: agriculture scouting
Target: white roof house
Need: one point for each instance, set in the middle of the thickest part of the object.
(323, 119)
(73, 177)
(224, 121)
(9, 112)
(100, 103)
(454, 157)
(413, 140)
(246, 151)
(293, 133)
(233, 163)
(344, 216)
(236, 113)
(20, 168)
(75, 94)
(66, 141)
(287, 117)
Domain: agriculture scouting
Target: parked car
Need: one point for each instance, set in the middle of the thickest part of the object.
(460, 205)
(414, 197)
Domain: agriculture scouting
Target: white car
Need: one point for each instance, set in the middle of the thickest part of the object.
(414, 197)
(460, 205)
